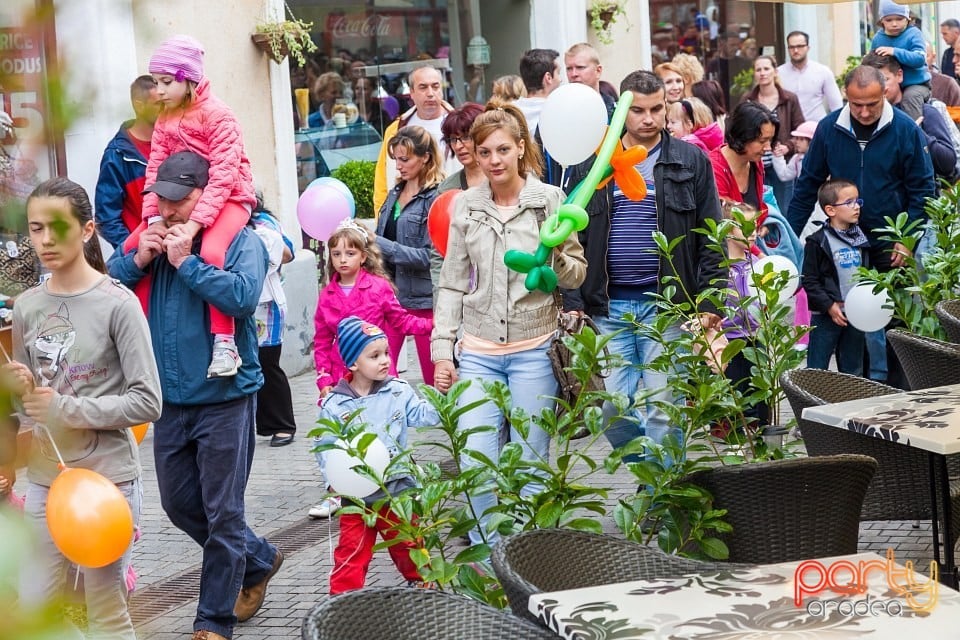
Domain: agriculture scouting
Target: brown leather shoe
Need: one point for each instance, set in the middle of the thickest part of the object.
(251, 599)
(203, 634)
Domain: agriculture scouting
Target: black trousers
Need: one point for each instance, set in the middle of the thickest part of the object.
(274, 403)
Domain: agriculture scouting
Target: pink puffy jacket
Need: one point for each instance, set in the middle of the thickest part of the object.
(209, 128)
(373, 300)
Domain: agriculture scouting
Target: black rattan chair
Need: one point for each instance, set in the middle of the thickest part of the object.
(792, 509)
(557, 559)
(900, 490)
(926, 362)
(949, 313)
(405, 613)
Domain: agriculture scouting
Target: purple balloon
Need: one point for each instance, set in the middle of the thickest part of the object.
(339, 186)
(320, 209)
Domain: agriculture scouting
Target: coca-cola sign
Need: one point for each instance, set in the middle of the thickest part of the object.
(359, 26)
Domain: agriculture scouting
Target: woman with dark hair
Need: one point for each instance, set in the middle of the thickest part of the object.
(737, 165)
(456, 135)
(711, 93)
(768, 92)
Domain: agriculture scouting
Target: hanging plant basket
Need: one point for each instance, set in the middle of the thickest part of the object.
(606, 17)
(262, 41)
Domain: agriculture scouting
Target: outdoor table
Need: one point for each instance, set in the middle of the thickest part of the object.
(927, 419)
(760, 601)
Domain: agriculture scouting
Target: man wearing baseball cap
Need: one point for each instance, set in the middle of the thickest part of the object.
(205, 433)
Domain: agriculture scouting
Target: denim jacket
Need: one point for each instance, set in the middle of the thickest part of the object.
(408, 258)
(391, 407)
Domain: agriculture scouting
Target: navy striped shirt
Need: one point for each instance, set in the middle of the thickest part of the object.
(632, 262)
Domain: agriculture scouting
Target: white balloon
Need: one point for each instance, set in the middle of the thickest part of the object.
(865, 310)
(572, 123)
(777, 263)
(339, 468)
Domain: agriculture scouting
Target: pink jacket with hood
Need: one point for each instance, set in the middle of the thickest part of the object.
(373, 300)
(207, 127)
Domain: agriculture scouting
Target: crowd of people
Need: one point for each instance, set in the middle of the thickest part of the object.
(185, 320)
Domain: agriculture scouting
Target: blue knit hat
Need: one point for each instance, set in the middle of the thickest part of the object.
(890, 8)
(353, 334)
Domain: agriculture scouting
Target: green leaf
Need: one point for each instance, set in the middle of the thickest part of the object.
(715, 548)
(475, 553)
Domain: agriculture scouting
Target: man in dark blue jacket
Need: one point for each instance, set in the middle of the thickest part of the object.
(204, 439)
(123, 168)
(879, 149)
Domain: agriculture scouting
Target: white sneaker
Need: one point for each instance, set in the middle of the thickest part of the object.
(225, 361)
(325, 509)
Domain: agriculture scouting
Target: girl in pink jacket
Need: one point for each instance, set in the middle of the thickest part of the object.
(193, 119)
(358, 287)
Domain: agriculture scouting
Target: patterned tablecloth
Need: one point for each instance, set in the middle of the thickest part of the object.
(760, 602)
(928, 419)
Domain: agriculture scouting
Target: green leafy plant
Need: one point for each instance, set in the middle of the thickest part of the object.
(934, 275)
(603, 14)
(531, 494)
(679, 513)
(285, 37)
(359, 176)
(742, 83)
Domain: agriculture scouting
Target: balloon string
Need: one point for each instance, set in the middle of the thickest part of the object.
(62, 465)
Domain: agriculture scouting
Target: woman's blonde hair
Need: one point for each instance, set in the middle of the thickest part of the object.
(669, 66)
(419, 142)
(504, 115)
(355, 236)
(324, 82)
(509, 88)
(693, 110)
(690, 68)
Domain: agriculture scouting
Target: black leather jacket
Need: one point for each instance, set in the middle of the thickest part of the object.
(686, 197)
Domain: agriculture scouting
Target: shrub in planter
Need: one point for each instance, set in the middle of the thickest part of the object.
(358, 175)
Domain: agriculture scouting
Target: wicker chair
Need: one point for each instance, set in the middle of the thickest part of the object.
(926, 362)
(900, 490)
(949, 313)
(792, 509)
(404, 613)
(557, 559)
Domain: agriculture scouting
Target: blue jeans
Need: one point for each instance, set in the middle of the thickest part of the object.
(876, 345)
(637, 351)
(529, 377)
(203, 456)
(782, 191)
(105, 588)
(827, 337)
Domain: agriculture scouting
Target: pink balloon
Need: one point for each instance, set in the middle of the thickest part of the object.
(320, 209)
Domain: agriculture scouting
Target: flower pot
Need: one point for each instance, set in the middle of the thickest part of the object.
(606, 17)
(262, 41)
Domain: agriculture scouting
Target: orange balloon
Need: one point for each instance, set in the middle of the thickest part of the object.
(140, 431)
(89, 519)
(438, 220)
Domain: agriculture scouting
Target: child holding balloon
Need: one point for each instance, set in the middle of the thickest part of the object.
(831, 259)
(83, 371)
(358, 286)
(193, 119)
(388, 407)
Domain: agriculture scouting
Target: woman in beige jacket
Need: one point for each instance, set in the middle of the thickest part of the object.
(506, 328)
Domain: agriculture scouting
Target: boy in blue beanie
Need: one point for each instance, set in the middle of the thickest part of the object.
(898, 38)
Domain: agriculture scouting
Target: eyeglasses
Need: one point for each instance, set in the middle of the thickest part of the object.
(457, 140)
(855, 202)
(796, 46)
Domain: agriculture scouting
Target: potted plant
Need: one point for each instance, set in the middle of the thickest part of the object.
(359, 176)
(280, 38)
(603, 14)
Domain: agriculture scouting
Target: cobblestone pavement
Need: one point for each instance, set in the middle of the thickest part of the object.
(283, 485)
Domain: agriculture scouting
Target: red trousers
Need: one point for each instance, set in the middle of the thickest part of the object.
(213, 250)
(395, 339)
(351, 558)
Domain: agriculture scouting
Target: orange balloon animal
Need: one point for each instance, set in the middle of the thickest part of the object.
(89, 519)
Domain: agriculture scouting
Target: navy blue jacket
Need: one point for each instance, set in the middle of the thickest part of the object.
(179, 318)
(942, 153)
(118, 200)
(893, 171)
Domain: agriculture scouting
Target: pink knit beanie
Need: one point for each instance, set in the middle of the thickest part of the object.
(180, 57)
